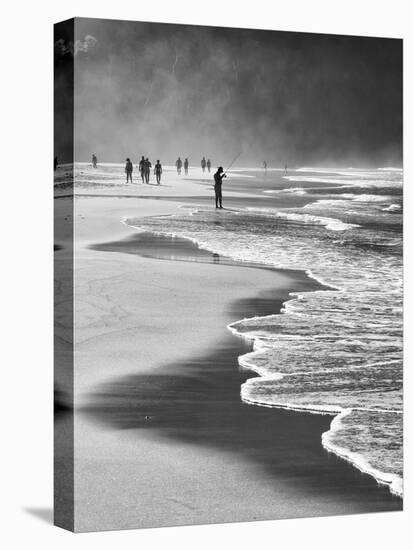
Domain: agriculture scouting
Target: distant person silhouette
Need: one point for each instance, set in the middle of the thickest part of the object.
(285, 170)
(142, 168)
(209, 165)
(55, 163)
(265, 167)
(218, 176)
(203, 164)
(158, 171)
(94, 161)
(147, 169)
(128, 170)
(178, 165)
(186, 166)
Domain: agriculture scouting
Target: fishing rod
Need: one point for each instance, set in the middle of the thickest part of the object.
(232, 162)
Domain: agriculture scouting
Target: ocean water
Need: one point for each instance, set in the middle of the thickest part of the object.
(336, 351)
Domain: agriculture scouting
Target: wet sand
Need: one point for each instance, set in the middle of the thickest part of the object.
(202, 456)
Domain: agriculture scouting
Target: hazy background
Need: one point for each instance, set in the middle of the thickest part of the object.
(167, 90)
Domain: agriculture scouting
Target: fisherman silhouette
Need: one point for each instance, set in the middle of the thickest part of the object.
(218, 176)
(142, 168)
(203, 164)
(265, 167)
(94, 161)
(147, 169)
(285, 170)
(178, 165)
(128, 170)
(158, 171)
(186, 165)
(209, 165)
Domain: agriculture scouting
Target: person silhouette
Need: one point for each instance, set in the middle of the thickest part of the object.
(158, 171)
(128, 170)
(142, 168)
(218, 176)
(147, 169)
(94, 161)
(209, 165)
(186, 166)
(203, 164)
(178, 165)
(264, 164)
(285, 170)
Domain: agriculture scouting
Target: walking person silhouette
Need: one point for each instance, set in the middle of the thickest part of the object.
(128, 170)
(142, 168)
(147, 169)
(178, 165)
(158, 171)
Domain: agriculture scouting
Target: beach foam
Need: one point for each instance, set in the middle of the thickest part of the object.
(348, 421)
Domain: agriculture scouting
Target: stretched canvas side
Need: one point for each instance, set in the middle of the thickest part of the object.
(63, 275)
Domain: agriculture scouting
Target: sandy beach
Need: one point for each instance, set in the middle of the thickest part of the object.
(151, 340)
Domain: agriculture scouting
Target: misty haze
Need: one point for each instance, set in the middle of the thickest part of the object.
(166, 90)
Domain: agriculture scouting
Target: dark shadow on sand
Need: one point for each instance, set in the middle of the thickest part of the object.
(166, 247)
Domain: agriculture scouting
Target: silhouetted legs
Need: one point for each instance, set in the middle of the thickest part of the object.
(218, 198)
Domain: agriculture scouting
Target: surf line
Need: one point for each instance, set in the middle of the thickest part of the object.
(392, 480)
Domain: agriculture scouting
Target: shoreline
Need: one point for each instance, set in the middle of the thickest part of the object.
(290, 447)
(130, 321)
(393, 481)
(296, 477)
(203, 254)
